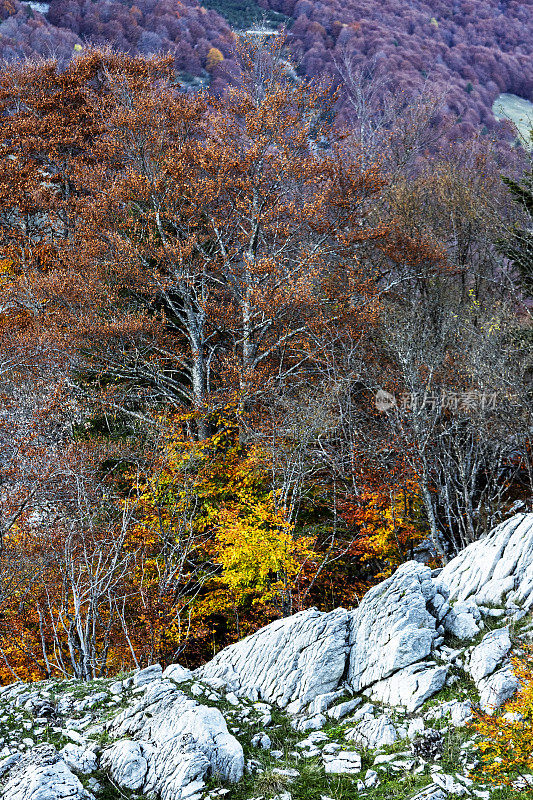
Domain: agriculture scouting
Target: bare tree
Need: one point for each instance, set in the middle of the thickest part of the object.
(462, 426)
(386, 124)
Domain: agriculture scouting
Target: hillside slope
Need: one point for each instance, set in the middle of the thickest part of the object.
(373, 701)
(469, 51)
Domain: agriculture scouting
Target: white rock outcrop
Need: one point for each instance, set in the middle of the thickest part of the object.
(497, 569)
(172, 744)
(495, 689)
(343, 709)
(43, 775)
(147, 675)
(390, 649)
(126, 764)
(392, 628)
(384, 646)
(293, 659)
(410, 687)
(345, 762)
(489, 654)
(431, 792)
(177, 673)
(463, 619)
(372, 733)
(81, 760)
(450, 785)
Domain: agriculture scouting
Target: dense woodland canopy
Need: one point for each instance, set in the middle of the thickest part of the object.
(251, 359)
(467, 52)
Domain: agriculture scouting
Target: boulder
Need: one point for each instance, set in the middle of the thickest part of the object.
(42, 775)
(177, 673)
(459, 712)
(415, 728)
(345, 762)
(392, 628)
(431, 792)
(450, 785)
(147, 675)
(291, 660)
(371, 779)
(489, 654)
(323, 702)
(309, 723)
(343, 709)
(262, 740)
(81, 760)
(167, 745)
(373, 733)
(497, 569)
(7, 763)
(410, 687)
(463, 620)
(126, 764)
(495, 689)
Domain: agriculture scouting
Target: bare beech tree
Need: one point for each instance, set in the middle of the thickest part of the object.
(395, 127)
(462, 426)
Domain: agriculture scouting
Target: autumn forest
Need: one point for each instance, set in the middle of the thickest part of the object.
(259, 345)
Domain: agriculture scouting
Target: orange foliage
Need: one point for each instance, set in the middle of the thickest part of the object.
(388, 527)
(505, 744)
(198, 257)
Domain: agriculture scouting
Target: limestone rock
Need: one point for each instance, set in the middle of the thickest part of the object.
(323, 702)
(177, 673)
(431, 792)
(463, 620)
(415, 728)
(343, 709)
(371, 779)
(180, 740)
(392, 628)
(286, 773)
(345, 762)
(410, 687)
(459, 712)
(373, 733)
(294, 659)
(42, 775)
(144, 676)
(495, 689)
(262, 740)
(126, 764)
(81, 760)
(309, 723)
(496, 569)
(489, 654)
(449, 785)
(7, 763)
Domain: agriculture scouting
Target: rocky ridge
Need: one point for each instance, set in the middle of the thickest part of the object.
(372, 702)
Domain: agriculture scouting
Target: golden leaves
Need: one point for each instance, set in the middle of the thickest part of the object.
(505, 743)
